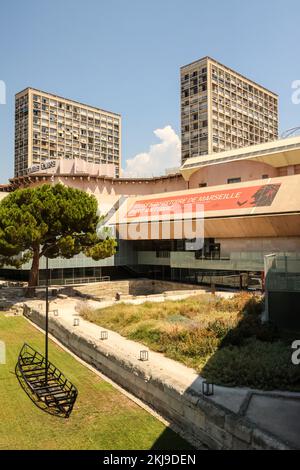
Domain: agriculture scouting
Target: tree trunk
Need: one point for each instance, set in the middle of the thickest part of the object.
(34, 272)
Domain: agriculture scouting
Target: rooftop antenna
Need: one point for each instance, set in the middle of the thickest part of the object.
(293, 132)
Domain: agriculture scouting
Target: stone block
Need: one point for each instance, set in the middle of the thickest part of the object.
(264, 441)
(194, 417)
(238, 428)
(219, 434)
(238, 444)
(213, 412)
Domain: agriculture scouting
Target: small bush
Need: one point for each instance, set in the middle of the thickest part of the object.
(242, 302)
(148, 335)
(219, 328)
(250, 326)
(83, 308)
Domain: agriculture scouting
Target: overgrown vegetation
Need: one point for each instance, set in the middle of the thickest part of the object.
(223, 339)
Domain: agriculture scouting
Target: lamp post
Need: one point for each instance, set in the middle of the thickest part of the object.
(47, 319)
(47, 308)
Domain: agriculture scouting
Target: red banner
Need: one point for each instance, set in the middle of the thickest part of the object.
(251, 196)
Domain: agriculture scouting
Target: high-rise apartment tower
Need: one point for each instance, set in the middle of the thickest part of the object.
(222, 110)
(48, 127)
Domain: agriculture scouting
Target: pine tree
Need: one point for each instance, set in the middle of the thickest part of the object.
(49, 221)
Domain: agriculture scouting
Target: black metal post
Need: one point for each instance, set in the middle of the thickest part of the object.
(47, 320)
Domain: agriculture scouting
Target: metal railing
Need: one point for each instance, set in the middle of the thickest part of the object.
(75, 281)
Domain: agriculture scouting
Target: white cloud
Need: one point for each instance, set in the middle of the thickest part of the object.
(165, 154)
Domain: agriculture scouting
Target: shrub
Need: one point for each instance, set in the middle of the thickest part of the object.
(148, 335)
(194, 343)
(250, 326)
(242, 302)
(83, 308)
(257, 364)
(219, 328)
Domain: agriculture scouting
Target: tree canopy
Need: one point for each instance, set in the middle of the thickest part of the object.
(53, 221)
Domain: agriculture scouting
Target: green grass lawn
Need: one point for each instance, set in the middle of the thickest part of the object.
(102, 418)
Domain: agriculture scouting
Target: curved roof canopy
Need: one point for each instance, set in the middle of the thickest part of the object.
(278, 153)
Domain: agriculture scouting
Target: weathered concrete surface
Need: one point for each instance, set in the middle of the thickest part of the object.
(228, 420)
(277, 414)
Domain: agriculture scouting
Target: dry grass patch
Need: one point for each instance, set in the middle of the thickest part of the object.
(188, 330)
(223, 339)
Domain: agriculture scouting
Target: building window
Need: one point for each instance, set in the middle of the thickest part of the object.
(202, 185)
(265, 177)
(233, 180)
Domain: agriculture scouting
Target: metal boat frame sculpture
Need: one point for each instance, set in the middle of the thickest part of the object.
(46, 385)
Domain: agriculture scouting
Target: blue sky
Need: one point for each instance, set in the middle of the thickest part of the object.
(124, 55)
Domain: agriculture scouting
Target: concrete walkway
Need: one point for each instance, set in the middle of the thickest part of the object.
(277, 413)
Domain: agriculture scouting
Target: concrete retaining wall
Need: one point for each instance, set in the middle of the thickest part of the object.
(200, 420)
